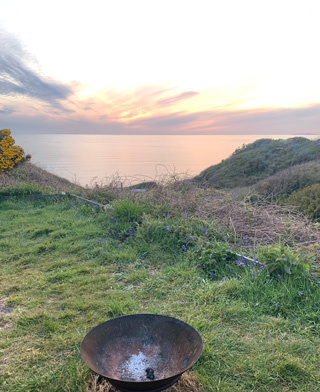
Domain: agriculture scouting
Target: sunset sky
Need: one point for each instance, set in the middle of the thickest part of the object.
(160, 67)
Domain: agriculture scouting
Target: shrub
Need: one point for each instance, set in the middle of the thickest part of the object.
(280, 260)
(10, 154)
(307, 200)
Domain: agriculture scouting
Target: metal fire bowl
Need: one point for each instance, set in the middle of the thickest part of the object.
(141, 352)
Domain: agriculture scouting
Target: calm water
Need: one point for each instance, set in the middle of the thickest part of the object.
(89, 158)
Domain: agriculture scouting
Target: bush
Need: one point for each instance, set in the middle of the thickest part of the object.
(280, 261)
(307, 200)
(10, 155)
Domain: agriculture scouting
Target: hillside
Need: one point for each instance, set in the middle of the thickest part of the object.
(258, 160)
(28, 173)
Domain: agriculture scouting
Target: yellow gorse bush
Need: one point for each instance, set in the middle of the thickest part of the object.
(10, 154)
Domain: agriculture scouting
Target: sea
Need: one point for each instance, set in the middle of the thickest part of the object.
(89, 159)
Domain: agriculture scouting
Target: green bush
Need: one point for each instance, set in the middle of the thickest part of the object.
(307, 200)
(280, 260)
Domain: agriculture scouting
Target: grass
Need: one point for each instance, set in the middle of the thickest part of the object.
(66, 267)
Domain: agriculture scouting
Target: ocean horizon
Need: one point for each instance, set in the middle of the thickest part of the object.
(87, 159)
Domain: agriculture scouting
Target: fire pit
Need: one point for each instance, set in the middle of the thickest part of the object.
(141, 352)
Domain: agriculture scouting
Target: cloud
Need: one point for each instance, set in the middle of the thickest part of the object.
(7, 110)
(176, 98)
(17, 78)
(254, 121)
(293, 121)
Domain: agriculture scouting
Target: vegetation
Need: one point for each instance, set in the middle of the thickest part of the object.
(29, 175)
(259, 160)
(10, 155)
(67, 266)
(176, 249)
(307, 200)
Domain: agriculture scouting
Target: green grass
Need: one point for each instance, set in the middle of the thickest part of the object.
(66, 267)
(259, 160)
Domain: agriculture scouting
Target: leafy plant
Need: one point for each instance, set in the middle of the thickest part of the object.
(280, 260)
(215, 259)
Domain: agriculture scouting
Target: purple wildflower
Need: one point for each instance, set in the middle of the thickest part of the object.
(277, 304)
(167, 228)
(300, 293)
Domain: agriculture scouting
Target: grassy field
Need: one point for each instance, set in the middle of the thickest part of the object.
(67, 266)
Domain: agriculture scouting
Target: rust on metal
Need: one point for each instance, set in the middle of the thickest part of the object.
(142, 352)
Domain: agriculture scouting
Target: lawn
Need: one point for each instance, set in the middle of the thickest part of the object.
(67, 266)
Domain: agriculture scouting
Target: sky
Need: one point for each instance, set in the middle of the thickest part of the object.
(160, 67)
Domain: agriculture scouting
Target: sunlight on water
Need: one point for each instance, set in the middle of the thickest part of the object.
(89, 158)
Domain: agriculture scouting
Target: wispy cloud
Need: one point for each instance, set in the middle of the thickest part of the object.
(7, 110)
(18, 78)
(176, 98)
(254, 121)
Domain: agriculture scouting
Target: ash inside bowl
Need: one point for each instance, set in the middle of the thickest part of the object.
(140, 367)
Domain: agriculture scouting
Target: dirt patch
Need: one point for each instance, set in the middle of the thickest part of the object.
(4, 311)
(187, 383)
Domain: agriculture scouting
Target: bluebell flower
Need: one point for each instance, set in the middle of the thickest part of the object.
(253, 272)
(300, 293)
(277, 304)
(100, 240)
(167, 228)
(261, 268)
